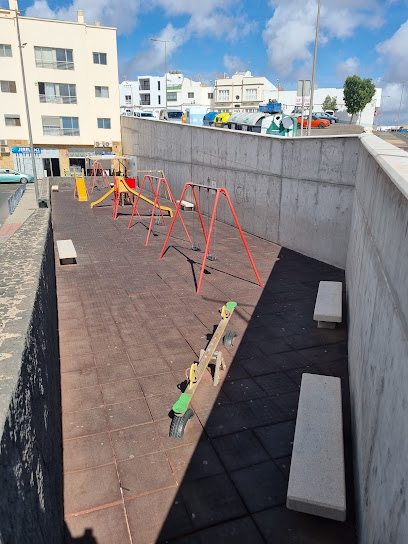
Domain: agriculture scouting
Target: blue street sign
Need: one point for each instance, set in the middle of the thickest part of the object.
(26, 150)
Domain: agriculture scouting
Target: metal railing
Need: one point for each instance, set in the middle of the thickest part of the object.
(55, 64)
(145, 102)
(55, 99)
(144, 86)
(56, 131)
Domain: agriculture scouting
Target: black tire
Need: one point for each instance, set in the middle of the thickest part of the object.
(178, 424)
(228, 339)
(321, 125)
(23, 181)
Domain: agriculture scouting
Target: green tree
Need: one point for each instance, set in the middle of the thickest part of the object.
(357, 94)
(330, 103)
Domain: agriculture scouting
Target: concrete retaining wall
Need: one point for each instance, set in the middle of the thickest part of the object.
(296, 192)
(377, 282)
(15, 198)
(31, 496)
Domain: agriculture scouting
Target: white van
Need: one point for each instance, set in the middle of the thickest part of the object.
(144, 115)
(175, 116)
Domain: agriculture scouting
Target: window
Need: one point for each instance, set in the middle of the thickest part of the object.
(99, 58)
(210, 95)
(5, 50)
(158, 87)
(57, 93)
(59, 59)
(145, 99)
(8, 86)
(223, 96)
(144, 84)
(60, 126)
(159, 99)
(12, 120)
(128, 99)
(250, 95)
(102, 92)
(104, 122)
(190, 95)
(171, 97)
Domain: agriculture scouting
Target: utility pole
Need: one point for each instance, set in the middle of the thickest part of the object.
(399, 110)
(309, 128)
(30, 135)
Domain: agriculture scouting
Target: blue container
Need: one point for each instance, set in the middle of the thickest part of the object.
(271, 108)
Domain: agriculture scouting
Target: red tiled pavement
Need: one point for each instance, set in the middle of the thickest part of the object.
(130, 324)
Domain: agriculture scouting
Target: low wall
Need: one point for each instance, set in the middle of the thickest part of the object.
(295, 192)
(377, 283)
(31, 497)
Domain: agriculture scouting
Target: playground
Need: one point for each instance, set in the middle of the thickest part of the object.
(131, 325)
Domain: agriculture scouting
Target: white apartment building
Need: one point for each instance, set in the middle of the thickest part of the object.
(290, 102)
(241, 92)
(72, 85)
(148, 93)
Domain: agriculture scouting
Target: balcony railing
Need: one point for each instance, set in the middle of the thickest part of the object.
(55, 64)
(145, 102)
(56, 131)
(144, 86)
(55, 99)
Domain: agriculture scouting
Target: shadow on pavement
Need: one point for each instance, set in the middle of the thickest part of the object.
(233, 488)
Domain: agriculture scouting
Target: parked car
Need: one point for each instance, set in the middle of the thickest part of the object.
(325, 115)
(7, 175)
(316, 122)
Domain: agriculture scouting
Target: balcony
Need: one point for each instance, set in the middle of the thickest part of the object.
(56, 131)
(144, 85)
(55, 99)
(145, 102)
(55, 64)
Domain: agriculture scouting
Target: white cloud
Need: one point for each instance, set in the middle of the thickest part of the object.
(104, 11)
(349, 67)
(233, 64)
(290, 33)
(393, 53)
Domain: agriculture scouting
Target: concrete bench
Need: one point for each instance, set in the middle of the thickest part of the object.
(328, 308)
(66, 252)
(187, 206)
(54, 188)
(317, 476)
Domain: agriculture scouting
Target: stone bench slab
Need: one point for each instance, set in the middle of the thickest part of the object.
(328, 307)
(189, 206)
(66, 252)
(317, 475)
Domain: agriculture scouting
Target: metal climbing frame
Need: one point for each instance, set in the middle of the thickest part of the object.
(161, 180)
(207, 236)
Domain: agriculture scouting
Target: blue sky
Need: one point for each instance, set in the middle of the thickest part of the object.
(272, 38)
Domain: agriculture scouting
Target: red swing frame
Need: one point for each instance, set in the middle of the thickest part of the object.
(207, 237)
(97, 167)
(156, 203)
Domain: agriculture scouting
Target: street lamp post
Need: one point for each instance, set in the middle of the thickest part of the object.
(165, 62)
(399, 110)
(309, 128)
(30, 135)
(278, 87)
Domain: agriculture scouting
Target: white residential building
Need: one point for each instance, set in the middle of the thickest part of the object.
(241, 92)
(148, 93)
(71, 75)
(290, 102)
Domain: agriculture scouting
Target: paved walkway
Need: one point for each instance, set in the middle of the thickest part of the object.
(130, 324)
